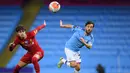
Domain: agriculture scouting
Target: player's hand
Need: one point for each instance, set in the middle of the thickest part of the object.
(11, 46)
(44, 22)
(61, 23)
(82, 40)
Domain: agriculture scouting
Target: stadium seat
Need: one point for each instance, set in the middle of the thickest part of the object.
(9, 17)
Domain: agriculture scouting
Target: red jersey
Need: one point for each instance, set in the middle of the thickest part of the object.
(30, 44)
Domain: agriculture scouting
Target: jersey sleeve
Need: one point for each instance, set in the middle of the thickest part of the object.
(14, 44)
(33, 32)
(80, 35)
(36, 30)
(76, 28)
(16, 41)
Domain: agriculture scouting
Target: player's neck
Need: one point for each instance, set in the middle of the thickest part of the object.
(86, 34)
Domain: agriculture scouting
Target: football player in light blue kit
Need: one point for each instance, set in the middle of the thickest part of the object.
(80, 38)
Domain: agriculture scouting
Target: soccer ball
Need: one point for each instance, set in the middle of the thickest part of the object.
(54, 6)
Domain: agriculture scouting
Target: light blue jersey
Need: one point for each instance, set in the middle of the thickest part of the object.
(74, 42)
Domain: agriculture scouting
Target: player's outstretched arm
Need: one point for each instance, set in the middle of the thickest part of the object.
(41, 26)
(65, 25)
(37, 29)
(87, 45)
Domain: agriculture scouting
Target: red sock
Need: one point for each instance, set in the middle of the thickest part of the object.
(17, 68)
(36, 65)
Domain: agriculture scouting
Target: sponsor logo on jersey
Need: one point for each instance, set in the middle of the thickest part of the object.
(26, 42)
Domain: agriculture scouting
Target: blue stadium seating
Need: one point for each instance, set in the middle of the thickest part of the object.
(111, 38)
(9, 17)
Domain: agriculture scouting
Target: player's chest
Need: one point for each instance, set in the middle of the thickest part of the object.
(87, 38)
(27, 42)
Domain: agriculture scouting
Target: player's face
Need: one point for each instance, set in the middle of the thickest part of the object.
(21, 34)
(89, 28)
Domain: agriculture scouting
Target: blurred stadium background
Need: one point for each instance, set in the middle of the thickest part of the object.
(111, 33)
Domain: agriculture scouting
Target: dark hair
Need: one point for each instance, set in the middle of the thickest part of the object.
(89, 22)
(20, 27)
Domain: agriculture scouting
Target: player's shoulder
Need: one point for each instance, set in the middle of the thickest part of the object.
(91, 35)
(76, 26)
(29, 34)
(17, 38)
(81, 30)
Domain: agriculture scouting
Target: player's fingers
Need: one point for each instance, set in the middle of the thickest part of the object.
(60, 22)
(81, 39)
(11, 44)
(44, 22)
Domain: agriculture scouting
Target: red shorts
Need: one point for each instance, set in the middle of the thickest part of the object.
(27, 58)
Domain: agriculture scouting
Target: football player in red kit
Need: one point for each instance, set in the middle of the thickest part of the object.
(28, 42)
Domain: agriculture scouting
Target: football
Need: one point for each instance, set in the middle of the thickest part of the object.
(54, 6)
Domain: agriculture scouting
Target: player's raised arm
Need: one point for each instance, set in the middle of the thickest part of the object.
(65, 25)
(35, 31)
(41, 26)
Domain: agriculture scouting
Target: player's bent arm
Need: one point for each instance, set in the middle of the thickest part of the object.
(40, 27)
(89, 46)
(65, 25)
(35, 31)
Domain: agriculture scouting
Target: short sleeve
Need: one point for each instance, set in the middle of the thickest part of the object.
(76, 28)
(33, 33)
(80, 35)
